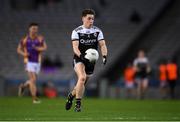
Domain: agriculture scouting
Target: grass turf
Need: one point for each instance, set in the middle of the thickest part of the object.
(12, 108)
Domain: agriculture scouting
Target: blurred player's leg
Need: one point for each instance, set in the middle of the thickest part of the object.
(172, 85)
(32, 87)
(139, 88)
(144, 86)
(129, 89)
(22, 87)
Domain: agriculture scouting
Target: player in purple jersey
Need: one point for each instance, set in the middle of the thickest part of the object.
(31, 48)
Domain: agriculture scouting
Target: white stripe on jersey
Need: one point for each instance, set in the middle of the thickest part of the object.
(141, 60)
(81, 29)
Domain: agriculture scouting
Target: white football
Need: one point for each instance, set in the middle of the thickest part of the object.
(92, 55)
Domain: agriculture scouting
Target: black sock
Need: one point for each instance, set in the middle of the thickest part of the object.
(70, 96)
(78, 101)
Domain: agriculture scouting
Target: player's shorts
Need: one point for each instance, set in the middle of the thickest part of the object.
(129, 85)
(141, 75)
(33, 67)
(89, 67)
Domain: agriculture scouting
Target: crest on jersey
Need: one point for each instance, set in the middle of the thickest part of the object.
(95, 34)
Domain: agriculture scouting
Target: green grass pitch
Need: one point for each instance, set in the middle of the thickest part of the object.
(12, 108)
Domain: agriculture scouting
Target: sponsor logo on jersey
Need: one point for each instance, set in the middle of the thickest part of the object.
(88, 41)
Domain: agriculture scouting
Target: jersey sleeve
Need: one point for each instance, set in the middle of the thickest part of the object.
(23, 42)
(147, 61)
(135, 62)
(74, 36)
(100, 36)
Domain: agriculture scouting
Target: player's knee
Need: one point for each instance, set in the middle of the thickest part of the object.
(33, 80)
(82, 79)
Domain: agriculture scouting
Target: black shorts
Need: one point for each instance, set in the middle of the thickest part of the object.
(89, 67)
(142, 75)
(172, 83)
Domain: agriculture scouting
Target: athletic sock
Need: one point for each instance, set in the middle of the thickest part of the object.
(78, 101)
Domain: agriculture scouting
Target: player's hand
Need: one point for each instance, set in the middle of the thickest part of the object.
(104, 59)
(82, 57)
(37, 48)
(148, 69)
(26, 54)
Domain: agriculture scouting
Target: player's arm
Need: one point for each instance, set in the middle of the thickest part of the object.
(20, 49)
(103, 49)
(148, 68)
(75, 45)
(136, 69)
(42, 48)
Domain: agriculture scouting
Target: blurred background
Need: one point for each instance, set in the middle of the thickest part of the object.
(128, 26)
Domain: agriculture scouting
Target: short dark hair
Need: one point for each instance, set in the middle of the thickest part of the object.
(88, 11)
(33, 24)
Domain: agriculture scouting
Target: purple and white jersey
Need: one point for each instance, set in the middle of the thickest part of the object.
(29, 46)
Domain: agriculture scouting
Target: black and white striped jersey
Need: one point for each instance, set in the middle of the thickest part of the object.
(141, 64)
(87, 37)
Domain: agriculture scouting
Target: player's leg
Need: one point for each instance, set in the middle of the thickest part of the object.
(172, 89)
(81, 74)
(130, 89)
(73, 93)
(139, 88)
(79, 88)
(127, 89)
(32, 86)
(22, 87)
(163, 89)
(145, 83)
(81, 71)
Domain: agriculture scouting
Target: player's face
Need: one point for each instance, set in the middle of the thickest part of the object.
(33, 30)
(141, 54)
(88, 20)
